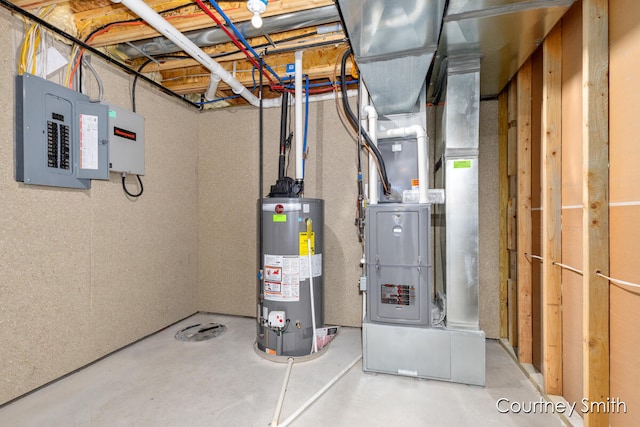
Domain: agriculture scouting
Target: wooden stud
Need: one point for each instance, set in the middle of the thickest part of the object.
(552, 212)
(512, 286)
(503, 190)
(595, 238)
(525, 327)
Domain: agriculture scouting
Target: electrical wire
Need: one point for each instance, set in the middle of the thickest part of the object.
(124, 186)
(353, 121)
(98, 79)
(34, 44)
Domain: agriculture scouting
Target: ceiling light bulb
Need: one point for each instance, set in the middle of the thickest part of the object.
(257, 7)
(256, 21)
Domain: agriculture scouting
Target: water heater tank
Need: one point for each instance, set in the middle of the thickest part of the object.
(292, 265)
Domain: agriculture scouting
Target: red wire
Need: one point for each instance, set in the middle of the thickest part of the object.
(234, 39)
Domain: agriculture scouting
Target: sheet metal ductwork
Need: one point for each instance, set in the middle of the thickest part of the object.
(393, 43)
(215, 35)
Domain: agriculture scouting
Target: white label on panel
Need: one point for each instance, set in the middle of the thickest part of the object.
(88, 141)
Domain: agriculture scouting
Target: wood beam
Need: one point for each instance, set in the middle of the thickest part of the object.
(317, 64)
(595, 196)
(552, 212)
(525, 326)
(193, 19)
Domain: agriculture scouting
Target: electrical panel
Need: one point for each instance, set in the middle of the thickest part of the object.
(126, 141)
(61, 137)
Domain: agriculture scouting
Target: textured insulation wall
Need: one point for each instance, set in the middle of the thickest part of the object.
(85, 272)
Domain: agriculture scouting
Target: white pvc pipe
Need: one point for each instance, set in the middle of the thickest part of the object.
(314, 345)
(161, 25)
(298, 111)
(319, 393)
(372, 116)
(285, 382)
(210, 94)
(421, 137)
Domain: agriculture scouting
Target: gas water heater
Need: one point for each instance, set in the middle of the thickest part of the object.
(290, 304)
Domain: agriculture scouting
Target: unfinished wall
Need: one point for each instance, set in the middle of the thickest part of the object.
(624, 211)
(85, 272)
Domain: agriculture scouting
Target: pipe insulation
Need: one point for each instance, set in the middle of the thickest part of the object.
(161, 25)
(421, 136)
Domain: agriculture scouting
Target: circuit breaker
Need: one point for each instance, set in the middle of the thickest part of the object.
(61, 137)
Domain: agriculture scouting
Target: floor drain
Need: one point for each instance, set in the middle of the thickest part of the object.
(200, 332)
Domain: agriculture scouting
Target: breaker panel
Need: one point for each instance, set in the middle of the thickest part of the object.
(61, 137)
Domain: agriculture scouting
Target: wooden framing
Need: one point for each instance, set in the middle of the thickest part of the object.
(512, 232)
(595, 118)
(525, 327)
(552, 212)
(503, 200)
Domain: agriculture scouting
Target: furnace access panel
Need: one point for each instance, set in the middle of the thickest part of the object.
(398, 264)
(61, 137)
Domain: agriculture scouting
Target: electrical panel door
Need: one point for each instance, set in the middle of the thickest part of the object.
(61, 137)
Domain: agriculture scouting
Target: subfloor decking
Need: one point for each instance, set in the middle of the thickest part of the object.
(161, 381)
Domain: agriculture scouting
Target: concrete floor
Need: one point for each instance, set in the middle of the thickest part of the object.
(161, 381)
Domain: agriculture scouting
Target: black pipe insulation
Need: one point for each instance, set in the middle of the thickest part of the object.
(283, 134)
(354, 123)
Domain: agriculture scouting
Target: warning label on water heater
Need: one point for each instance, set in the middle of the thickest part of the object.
(281, 278)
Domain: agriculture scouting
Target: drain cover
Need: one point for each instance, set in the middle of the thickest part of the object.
(200, 332)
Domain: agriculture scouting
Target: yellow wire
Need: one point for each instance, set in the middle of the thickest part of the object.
(31, 43)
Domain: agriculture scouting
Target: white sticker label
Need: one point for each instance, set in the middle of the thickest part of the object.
(88, 141)
(281, 278)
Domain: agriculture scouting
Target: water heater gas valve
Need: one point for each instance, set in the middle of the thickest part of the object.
(277, 319)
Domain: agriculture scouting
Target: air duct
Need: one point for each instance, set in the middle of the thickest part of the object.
(394, 43)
